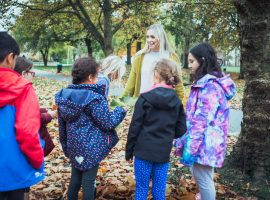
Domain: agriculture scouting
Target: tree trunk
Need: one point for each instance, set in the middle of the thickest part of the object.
(255, 58)
(128, 53)
(186, 51)
(138, 46)
(108, 34)
(177, 40)
(45, 55)
(107, 48)
(241, 73)
(88, 44)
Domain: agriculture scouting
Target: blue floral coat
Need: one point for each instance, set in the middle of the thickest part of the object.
(86, 126)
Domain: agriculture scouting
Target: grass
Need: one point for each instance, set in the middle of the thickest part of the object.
(231, 69)
(66, 70)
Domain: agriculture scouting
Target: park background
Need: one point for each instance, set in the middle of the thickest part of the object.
(54, 32)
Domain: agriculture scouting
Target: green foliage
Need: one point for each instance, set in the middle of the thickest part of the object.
(66, 70)
(59, 52)
(97, 20)
(134, 28)
(231, 69)
(81, 49)
(46, 31)
(189, 21)
(8, 13)
(35, 36)
(214, 21)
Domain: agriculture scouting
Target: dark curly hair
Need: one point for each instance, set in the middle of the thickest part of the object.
(83, 68)
(168, 71)
(22, 64)
(206, 56)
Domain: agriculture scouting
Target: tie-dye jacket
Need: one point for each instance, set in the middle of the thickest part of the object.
(207, 113)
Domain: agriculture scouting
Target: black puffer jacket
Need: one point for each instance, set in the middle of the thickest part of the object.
(158, 118)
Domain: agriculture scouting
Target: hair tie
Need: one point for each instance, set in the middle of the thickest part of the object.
(171, 79)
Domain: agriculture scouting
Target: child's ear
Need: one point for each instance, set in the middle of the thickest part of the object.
(11, 60)
(92, 79)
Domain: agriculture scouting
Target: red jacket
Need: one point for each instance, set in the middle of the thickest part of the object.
(18, 92)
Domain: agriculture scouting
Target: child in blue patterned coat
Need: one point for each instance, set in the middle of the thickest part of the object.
(86, 126)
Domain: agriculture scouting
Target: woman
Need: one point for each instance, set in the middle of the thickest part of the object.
(141, 76)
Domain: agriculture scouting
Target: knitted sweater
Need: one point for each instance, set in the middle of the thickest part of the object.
(133, 85)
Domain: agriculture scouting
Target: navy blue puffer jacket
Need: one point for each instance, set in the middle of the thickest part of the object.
(86, 126)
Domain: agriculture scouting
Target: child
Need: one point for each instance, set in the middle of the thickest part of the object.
(112, 70)
(21, 161)
(204, 144)
(86, 126)
(158, 118)
(24, 67)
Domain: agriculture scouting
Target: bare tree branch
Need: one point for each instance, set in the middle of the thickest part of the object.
(84, 17)
(99, 20)
(56, 9)
(129, 2)
(229, 2)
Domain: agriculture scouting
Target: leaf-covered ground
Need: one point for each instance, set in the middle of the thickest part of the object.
(115, 177)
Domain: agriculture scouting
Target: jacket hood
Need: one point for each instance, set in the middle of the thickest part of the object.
(72, 101)
(12, 85)
(163, 98)
(225, 82)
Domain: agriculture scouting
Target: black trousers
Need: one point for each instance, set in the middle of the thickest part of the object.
(12, 195)
(84, 179)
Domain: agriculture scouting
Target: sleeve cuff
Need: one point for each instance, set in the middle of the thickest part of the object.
(129, 157)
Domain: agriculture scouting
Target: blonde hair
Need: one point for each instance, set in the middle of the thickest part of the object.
(168, 71)
(113, 64)
(161, 35)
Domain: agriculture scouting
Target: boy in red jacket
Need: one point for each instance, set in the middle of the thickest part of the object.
(24, 68)
(21, 160)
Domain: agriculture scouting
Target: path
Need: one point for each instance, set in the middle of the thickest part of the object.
(236, 116)
(51, 75)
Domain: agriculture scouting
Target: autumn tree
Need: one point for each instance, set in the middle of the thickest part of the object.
(7, 10)
(100, 18)
(34, 36)
(44, 31)
(196, 21)
(181, 22)
(134, 28)
(255, 58)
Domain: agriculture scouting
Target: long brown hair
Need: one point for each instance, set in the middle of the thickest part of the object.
(206, 56)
